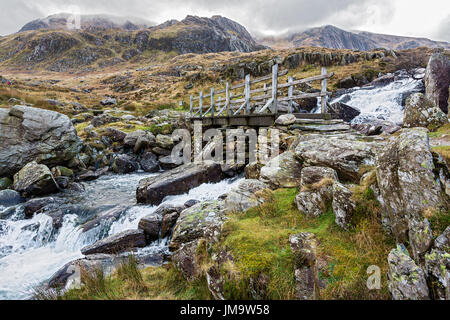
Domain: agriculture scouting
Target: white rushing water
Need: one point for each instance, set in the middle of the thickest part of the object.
(381, 102)
(31, 251)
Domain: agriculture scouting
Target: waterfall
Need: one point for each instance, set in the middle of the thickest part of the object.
(31, 251)
(382, 102)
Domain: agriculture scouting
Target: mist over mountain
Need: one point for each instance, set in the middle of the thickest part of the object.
(336, 38)
(102, 21)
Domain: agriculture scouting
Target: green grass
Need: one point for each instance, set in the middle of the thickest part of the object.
(130, 283)
(259, 241)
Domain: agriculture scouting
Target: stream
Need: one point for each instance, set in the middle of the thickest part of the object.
(31, 251)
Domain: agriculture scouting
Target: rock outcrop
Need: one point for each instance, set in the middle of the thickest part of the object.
(437, 80)
(283, 171)
(405, 279)
(29, 134)
(344, 154)
(422, 112)
(406, 178)
(203, 220)
(246, 195)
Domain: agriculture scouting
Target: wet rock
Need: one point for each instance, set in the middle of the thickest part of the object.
(118, 243)
(36, 206)
(204, 220)
(421, 112)
(34, 180)
(345, 112)
(246, 195)
(91, 175)
(151, 225)
(347, 83)
(283, 171)
(177, 181)
(125, 164)
(169, 163)
(105, 219)
(191, 203)
(286, 120)
(31, 134)
(61, 171)
(342, 153)
(5, 183)
(406, 281)
(406, 178)
(168, 222)
(437, 80)
(343, 205)
(9, 198)
(149, 162)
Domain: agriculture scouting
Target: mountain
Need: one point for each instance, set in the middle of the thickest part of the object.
(60, 21)
(335, 38)
(100, 43)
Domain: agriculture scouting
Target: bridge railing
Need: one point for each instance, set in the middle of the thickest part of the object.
(241, 99)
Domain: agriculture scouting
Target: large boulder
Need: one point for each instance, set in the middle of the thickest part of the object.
(406, 281)
(245, 196)
(421, 112)
(406, 179)
(132, 138)
(344, 154)
(344, 111)
(204, 220)
(185, 260)
(178, 181)
(283, 171)
(437, 80)
(420, 238)
(30, 134)
(34, 180)
(117, 243)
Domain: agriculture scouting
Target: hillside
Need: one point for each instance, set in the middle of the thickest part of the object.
(61, 50)
(335, 38)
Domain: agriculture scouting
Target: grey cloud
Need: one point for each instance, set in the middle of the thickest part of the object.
(443, 31)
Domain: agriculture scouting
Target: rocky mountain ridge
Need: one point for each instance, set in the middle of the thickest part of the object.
(335, 38)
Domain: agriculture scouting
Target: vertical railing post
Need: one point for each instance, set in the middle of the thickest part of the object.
(201, 104)
(247, 94)
(275, 88)
(291, 94)
(212, 103)
(324, 96)
(191, 110)
(227, 99)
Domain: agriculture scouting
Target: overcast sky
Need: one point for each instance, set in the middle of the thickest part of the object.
(420, 18)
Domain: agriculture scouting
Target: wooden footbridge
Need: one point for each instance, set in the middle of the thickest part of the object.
(260, 105)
